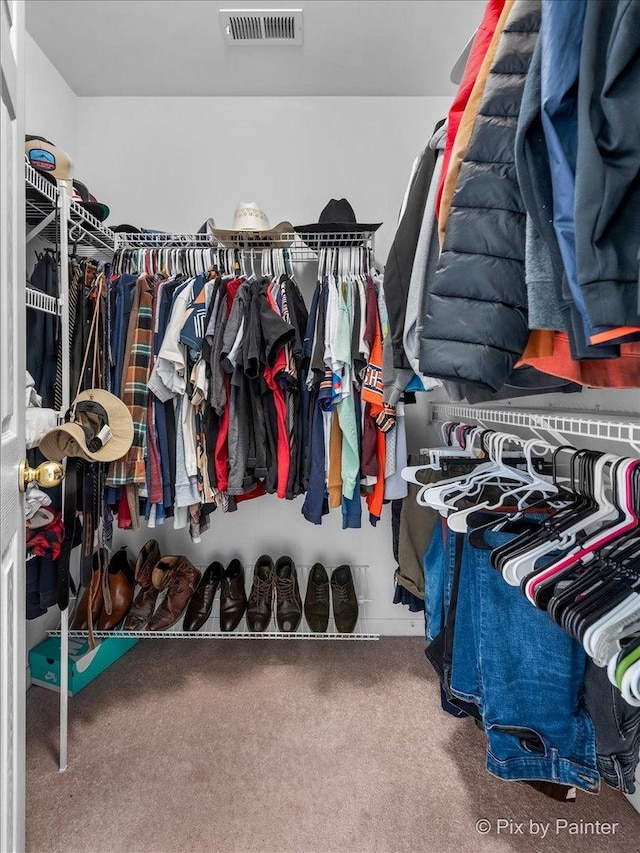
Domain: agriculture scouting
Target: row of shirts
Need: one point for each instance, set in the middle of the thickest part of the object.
(250, 394)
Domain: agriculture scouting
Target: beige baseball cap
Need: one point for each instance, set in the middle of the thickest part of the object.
(46, 157)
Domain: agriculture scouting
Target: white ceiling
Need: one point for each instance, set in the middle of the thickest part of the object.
(175, 47)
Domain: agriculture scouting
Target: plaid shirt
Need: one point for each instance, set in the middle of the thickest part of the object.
(135, 375)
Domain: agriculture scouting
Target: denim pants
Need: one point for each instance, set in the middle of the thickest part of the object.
(524, 674)
(617, 729)
(439, 564)
(442, 573)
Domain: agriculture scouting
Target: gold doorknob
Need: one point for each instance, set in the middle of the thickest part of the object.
(46, 475)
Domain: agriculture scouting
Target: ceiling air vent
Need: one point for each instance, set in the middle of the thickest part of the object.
(262, 26)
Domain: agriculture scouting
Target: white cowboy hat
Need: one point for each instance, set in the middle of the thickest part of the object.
(251, 222)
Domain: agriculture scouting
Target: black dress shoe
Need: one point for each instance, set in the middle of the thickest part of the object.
(201, 602)
(233, 598)
(316, 600)
(261, 596)
(345, 600)
(288, 601)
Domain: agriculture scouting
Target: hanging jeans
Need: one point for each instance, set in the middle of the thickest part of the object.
(617, 729)
(442, 564)
(524, 674)
(438, 563)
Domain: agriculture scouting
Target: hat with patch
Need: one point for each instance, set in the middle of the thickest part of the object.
(51, 161)
(99, 427)
(56, 166)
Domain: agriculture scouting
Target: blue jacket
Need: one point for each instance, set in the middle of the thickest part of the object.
(608, 162)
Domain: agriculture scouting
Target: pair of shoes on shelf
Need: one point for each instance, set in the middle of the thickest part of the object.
(343, 593)
(280, 578)
(233, 598)
(155, 574)
(107, 599)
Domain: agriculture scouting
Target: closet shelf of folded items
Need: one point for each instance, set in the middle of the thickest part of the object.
(610, 427)
(301, 247)
(85, 231)
(220, 635)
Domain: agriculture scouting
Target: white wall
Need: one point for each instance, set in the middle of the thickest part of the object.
(169, 163)
(51, 104)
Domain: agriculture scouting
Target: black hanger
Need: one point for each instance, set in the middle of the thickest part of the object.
(552, 530)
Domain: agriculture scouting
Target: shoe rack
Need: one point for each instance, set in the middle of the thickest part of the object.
(211, 629)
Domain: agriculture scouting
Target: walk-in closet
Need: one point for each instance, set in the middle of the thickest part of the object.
(320, 426)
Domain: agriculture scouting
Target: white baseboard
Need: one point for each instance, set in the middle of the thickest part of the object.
(394, 627)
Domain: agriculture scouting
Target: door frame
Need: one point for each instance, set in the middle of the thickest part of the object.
(13, 659)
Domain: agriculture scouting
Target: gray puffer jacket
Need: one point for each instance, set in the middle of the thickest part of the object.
(476, 320)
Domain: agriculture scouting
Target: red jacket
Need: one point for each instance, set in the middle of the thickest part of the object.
(479, 48)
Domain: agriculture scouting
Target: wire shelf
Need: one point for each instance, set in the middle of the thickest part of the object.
(36, 181)
(86, 233)
(219, 635)
(301, 247)
(40, 301)
(211, 629)
(625, 430)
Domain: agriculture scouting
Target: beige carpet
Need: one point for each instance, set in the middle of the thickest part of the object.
(281, 747)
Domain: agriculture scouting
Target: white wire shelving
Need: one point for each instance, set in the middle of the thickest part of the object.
(300, 246)
(211, 629)
(40, 301)
(86, 234)
(54, 218)
(623, 428)
(220, 635)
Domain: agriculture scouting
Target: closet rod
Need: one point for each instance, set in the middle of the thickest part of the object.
(609, 427)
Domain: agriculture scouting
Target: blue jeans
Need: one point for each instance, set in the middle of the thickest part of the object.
(617, 729)
(526, 676)
(439, 565)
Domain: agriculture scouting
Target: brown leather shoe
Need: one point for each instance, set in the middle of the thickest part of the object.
(288, 601)
(119, 583)
(145, 601)
(233, 598)
(261, 596)
(161, 571)
(93, 591)
(345, 600)
(199, 608)
(180, 579)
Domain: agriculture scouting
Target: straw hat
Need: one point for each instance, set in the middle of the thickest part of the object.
(99, 428)
(250, 222)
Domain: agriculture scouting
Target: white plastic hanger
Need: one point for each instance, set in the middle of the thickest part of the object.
(531, 484)
(441, 495)
(435, 453)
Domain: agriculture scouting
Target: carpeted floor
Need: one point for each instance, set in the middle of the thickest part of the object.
(282, 747)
